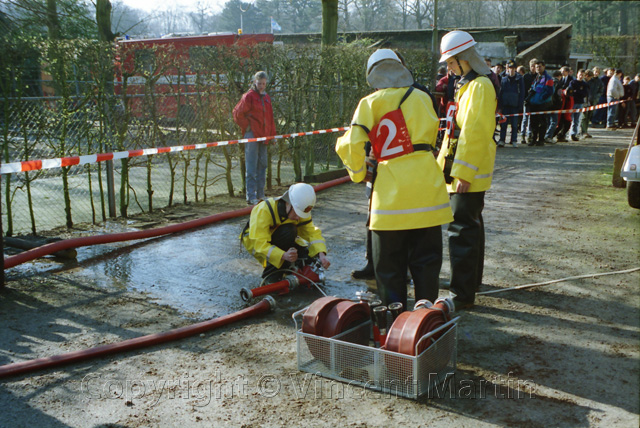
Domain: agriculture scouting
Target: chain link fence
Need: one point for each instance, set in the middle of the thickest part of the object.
(84, 111)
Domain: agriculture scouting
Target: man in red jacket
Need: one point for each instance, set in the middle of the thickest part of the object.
(254, 115)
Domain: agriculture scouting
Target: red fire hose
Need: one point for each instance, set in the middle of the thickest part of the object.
(48, 249)
(303, 276)
(263, 306)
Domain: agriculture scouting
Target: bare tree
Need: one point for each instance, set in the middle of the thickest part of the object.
(172, 20)
(371, 12)
(506, 12)
(344, 7)
(422, 11)
(127, 20)
(74, 17)
(202, 17)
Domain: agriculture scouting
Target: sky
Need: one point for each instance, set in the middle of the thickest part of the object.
(153, 5)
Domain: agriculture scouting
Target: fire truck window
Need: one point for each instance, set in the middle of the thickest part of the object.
(145, 60)
(201, 55)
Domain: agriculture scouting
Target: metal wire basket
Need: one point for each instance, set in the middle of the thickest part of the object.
(346, 357)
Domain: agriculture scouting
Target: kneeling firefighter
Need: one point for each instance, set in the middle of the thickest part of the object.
(279, 230)
(409, 200)
(467, 157)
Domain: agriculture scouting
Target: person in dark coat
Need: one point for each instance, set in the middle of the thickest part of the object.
(580, 92)
(596, 89)
(510, 102)
(528, 79)
(600, 115)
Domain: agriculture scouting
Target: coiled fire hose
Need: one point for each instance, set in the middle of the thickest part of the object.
(410, 327)
(328, 317)
(262, 307)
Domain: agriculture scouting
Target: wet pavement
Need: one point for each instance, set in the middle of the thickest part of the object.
(201, 272)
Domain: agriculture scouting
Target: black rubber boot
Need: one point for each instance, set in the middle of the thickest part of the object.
(364, 273)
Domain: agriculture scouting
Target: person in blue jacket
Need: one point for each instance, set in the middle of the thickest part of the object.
(510, 101)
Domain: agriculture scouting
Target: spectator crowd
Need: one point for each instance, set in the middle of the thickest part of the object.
(536, 90)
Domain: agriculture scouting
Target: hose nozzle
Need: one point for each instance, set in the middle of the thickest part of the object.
(380, 313)
(246, 294)
(396, 308)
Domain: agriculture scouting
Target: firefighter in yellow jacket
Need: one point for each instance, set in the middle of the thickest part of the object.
(409, 202)
(280, 231)
(467, 156)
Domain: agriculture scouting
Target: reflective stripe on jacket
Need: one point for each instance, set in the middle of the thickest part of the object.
(254, 111)
(265, 218)
(476, 150)
(409, 191)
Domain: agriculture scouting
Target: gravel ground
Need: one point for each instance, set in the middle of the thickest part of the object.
(565, 354)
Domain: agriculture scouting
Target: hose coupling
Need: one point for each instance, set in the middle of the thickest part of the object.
(246, 294)
(293, 281)
(272, 302)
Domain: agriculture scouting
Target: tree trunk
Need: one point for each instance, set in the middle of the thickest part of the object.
(624, 18)
(124, 187)
(103, 18)
(329, 22)
(149, 184)
(67, 197)
(227, 170)
(53, 23)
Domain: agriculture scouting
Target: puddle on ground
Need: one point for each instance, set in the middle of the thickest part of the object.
(198, 272)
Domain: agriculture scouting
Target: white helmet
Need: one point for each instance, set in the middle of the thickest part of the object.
(455, 42)
(302, 198)
(379, 55)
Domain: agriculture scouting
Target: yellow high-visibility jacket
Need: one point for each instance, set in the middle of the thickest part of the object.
(265, 218)
(476, 151)
(409, 191)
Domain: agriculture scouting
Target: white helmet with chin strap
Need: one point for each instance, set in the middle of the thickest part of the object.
(455, 42)
(386, 70)
(379, 55)
(302, 198)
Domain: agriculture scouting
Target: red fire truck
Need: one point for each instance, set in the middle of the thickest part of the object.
(141, 62)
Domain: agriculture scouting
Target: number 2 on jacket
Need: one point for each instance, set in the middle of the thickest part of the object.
(451, 118)
(395, 141)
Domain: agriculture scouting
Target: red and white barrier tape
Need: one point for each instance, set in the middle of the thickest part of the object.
(503, 117)
(574, 110)
(35, 165)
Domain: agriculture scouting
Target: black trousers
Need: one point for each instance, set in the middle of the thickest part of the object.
(369, 253)
(538, 124)
(394, 251)
(284, 237)
(466, 244)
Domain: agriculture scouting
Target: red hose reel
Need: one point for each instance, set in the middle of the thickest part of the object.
(410, 327)
(330, 316)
